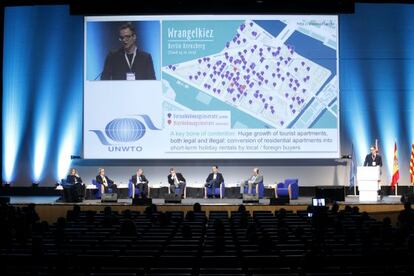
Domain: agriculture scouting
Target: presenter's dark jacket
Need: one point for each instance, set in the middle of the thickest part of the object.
(180, 178)
(135, 179)
(99, 180)
(116, 66)
(369, 160)
(219, 178)
(73, 179)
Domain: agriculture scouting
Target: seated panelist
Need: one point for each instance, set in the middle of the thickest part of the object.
(106, 182)
(140, 182)
(176, 180)
(75, 186)
(214, 179)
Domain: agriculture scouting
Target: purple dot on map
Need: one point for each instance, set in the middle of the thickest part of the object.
(174, 68)
(227, 44)
(254, 33)
(286, 95)
(251, 24)
(303, 90)
(260, 95)
(255, 95)
(250, 101)
(244, 40)
(266, 81)
(204, 74)
(196, 77)
(303, 63)
(274, 84)
(283, 78)
(278, 63)
(263, 100)
(308, 68)
(199, 61)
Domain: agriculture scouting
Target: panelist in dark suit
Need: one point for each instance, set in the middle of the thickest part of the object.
(176, 180)
(75, 186)
(214, 179)
(128, 62)
(373, 159)
(106, 182)
(140, 182)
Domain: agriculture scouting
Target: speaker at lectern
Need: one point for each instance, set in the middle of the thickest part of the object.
(368, 180)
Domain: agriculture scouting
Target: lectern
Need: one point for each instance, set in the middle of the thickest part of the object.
(368, 179)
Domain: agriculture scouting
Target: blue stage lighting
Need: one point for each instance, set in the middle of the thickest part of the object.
(15, 81)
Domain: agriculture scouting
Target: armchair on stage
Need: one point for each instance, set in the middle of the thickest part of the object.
(99, 191)
(133, 191)
(288, 188)
(215, 191)
(260, 190)
(178, 191)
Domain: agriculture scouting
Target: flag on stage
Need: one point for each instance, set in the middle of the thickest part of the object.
(352, 171)
(412, 165)
(395, 169)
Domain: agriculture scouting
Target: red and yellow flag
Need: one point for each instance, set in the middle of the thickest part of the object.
(395, 169)
(412, 165)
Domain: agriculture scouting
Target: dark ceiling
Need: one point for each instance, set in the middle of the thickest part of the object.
(95, 7)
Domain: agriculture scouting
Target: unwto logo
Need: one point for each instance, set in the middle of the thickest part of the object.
(124, 130)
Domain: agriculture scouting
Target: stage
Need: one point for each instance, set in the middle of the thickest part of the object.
(50, 208)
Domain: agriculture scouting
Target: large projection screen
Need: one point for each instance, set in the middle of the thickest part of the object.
(211, 87)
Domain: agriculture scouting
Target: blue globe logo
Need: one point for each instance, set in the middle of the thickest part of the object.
(125, 130)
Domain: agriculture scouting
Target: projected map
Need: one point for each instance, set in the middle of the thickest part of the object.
(227, 87)
(280, 74)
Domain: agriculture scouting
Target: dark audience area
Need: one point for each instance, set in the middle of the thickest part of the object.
(318, 241)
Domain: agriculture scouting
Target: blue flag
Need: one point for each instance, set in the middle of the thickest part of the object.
(353, 169)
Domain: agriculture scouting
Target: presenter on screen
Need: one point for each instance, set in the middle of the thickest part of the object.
(128, 62)
(373, 159)
(251, 183)
(106, 182)
(140, 182)
(75, 184)
(214, 179)
(176, 180)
